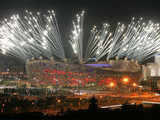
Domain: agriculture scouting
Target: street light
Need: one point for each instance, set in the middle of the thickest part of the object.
(125, 80)
(58, 100)
(134, 84)
(111, 84)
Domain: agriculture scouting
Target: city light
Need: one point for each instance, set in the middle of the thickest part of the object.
(134, 84)
(125, 80)
(58, 100)
(111, 84)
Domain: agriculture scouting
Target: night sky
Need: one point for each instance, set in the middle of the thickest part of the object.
(98, 11)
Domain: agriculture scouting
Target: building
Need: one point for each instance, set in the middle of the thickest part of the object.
(152, 69)
(103, 74)
(151, 73)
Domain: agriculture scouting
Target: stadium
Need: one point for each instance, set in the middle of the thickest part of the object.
(104, 75)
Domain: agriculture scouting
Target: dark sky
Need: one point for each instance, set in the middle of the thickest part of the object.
(98, 11)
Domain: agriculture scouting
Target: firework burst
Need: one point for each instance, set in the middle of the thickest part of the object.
(31, 35)
(138, 40)
(76, 38)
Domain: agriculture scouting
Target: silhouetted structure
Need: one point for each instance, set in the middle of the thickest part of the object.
(93, 103)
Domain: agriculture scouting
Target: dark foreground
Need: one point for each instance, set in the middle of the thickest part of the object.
(126, 112)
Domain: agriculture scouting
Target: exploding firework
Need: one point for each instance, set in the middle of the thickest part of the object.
(35, 34)
(76, 39)
(98, 42)
(31, 35)
(137, 40)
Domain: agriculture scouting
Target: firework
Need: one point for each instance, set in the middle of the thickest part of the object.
(98, 42)
(76, 39)
(137, 40)
(31, 35)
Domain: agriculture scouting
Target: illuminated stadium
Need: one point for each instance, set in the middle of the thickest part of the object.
(98, 76)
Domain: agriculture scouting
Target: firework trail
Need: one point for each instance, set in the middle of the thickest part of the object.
(98, 42)
(31, 35)
(138, 40)
(34, 35)
(76, 38)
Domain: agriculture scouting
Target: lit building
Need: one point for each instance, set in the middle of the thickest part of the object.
(151, 73)
(152, 69)
(98, 74)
